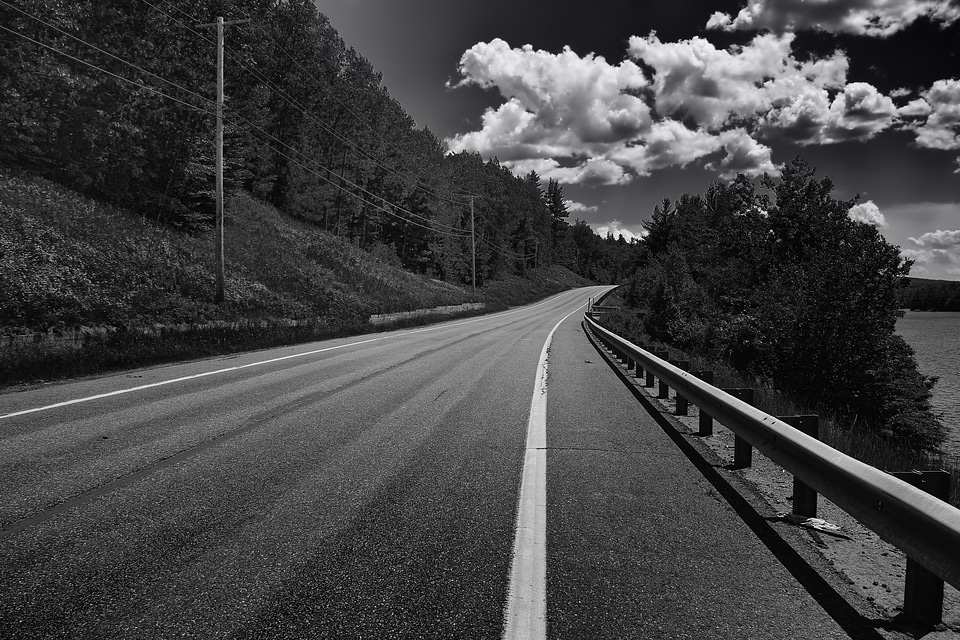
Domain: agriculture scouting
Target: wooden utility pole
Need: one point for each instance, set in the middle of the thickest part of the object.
(473, 246)
(218, 251)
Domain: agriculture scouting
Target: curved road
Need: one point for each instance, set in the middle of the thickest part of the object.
(368, 487)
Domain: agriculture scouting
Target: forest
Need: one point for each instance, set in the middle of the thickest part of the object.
(931, 295)
(115, 99)
(783, 285)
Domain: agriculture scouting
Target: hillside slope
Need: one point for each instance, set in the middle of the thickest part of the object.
(67, 261)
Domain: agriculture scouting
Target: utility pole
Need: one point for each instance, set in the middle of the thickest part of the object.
(473, 246)
(218, 252)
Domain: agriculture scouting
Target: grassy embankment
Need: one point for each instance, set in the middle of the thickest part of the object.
(863, 445)
(142, 293)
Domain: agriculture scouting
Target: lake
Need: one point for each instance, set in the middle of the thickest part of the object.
(935, 337)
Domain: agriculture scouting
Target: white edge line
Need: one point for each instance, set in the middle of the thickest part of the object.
(262, 362)
(525, 615)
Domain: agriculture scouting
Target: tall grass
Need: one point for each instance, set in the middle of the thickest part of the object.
(866, 446)
(68, 262)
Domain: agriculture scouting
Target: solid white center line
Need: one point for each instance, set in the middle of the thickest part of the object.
(526, 610)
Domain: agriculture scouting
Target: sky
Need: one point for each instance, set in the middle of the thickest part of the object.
(626, 107)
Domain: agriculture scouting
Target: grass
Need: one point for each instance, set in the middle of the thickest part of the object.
(861, 444)
(143, 292)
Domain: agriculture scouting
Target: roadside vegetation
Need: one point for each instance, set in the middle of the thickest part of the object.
(140, 292)
(338, 206)
(790, 296)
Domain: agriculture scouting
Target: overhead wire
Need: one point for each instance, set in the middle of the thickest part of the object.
(454, 232)
(114, 75)
(347, 108)
(283, 95)
(106, 53)
(434, 224)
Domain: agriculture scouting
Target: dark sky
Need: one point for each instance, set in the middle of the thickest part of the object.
(870, 97)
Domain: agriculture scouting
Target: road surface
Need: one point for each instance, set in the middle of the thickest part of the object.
(368, 487)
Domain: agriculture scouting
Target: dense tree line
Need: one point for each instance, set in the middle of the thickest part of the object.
(931, 295)
(114, 98)
(790, 290)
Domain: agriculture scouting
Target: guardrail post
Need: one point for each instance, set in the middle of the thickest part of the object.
(923, 591)
(663, 391)
(682, 403)
(804, 498)
(706, 421)
(742, 450)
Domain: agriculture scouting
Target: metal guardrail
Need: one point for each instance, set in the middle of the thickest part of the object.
(925, 528)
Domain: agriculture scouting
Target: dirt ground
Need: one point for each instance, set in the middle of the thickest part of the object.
(874, 568)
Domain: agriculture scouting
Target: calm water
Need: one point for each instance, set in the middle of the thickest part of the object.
(935, 337)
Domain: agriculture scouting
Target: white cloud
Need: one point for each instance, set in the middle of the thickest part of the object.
(918, 256)
(916, 107)
(938, 239)
(578, 206)
(863, 17)
(941, 130)
(939, 247)
(867, 212)
(695, 80)
(743, 155)
(764, 84)
(593, 171)
(562, 102)
(614, 227)
(859, 112)
(581, 120)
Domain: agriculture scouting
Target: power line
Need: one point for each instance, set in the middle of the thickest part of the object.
(283, 95)
(106, 53)
(455, 232)
(110, 73)
(352, 113)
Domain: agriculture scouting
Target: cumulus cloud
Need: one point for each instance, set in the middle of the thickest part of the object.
(941, 247)
(863, 17)
(581, 120)
(859, 112)
(573, 206)
(555, 100)
(763, 82)
(917, 107)
(592, 171)
(938, 239)
(614, 227)
(743, 155)
(941, 129)
(867, 212)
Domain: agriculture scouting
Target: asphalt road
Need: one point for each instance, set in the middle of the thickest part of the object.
(367, 488)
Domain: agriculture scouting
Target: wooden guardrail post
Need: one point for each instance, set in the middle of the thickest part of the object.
(705, 420)
(923, 591)
(804, 498)
(742, 450)
(682, 404)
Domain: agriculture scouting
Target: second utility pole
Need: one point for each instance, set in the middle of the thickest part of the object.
(218, 252)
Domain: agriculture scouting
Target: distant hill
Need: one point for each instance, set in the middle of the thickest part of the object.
(931, 295)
